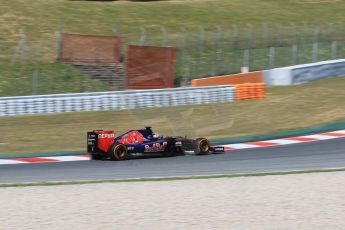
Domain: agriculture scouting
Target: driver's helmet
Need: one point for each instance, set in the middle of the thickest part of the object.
(155, 135)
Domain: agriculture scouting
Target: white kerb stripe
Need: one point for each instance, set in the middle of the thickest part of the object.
(67, 158)
(241, 146)
(339, 131)
(320, 137)
(10, 162)
(284, 142)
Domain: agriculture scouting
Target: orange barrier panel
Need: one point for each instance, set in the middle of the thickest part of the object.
(252, 77)
(249, 91)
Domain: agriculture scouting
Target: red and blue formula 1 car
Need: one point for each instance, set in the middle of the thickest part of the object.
(103, 144)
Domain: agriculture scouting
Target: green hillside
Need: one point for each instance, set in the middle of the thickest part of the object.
(202, 29)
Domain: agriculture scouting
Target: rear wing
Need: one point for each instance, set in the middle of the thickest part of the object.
(100, 140)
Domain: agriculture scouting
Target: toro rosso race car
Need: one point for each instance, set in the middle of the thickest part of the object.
(102, 144)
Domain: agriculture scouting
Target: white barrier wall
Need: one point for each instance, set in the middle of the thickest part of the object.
(299, 74)
(59, 103)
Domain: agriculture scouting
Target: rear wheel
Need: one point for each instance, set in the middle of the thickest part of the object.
(202, 146)
(118, 152)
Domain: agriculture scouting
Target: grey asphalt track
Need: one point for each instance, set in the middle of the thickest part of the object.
(304, 156)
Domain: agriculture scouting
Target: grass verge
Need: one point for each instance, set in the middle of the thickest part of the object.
(284, 109)
(173, 178)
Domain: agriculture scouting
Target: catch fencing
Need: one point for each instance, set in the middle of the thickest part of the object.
(131, 99)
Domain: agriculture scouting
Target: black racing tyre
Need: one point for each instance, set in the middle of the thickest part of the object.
(171, 149)
(117, 152)
(96, 157)
(179, 151)
(202, 146)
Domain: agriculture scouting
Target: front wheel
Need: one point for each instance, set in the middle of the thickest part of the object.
(118, 152)
(202, 146)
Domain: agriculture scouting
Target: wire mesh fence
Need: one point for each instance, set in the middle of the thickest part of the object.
(29, 66)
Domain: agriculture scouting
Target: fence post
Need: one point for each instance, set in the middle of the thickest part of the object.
(266, 41)
(34, 82)
(184, 54)
(186, 71)
(164, 36)
(233, 48)
(20, 47)
(116, 28)
(234, 36)
(294, 52)
(143, 37)
(278, 54)
(265, 37)
(247, 52)
(81, 82)
(219, 51)
(315, 44)
(334, 49)
(271, 57)
(306, 33)
(59, 36)
(200, 44)
(184, 37)
(246, 58)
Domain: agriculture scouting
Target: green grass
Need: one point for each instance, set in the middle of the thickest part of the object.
(46, 78)
(285, 108)
(172, 178)
(39, 20)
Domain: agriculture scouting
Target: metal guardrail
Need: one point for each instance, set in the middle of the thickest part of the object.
(131, 99)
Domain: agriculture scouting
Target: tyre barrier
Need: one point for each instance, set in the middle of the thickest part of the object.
(249, 91)
(130, 99)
